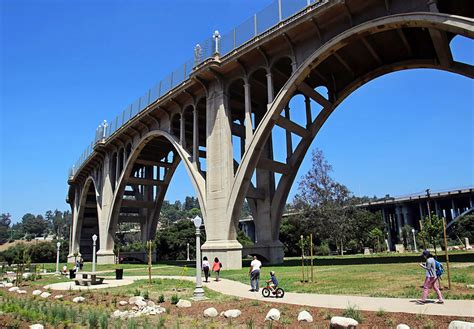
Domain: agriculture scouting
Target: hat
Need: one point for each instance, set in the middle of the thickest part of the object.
(425, 252)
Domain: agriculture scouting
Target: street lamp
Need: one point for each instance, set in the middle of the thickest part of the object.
(187, 259)
(198, 291)
(414, 239)
(57, 257)
(216, 36)
(94, 239)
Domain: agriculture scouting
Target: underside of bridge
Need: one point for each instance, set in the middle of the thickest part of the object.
(223, 123)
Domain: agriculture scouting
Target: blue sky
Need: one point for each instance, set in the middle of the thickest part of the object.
(67, 65)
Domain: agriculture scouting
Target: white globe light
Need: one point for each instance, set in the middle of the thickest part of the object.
(197, 221)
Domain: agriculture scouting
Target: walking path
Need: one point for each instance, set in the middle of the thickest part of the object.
(238, 289)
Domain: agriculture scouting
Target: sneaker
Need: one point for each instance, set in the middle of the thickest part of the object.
(439, 301)
(421, 302)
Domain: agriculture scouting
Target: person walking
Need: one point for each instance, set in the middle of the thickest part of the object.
(216, 268)
(431, 280)
(81, 263)
(205, 267)
(254, 272)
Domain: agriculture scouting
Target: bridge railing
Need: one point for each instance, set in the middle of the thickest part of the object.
(267, 18)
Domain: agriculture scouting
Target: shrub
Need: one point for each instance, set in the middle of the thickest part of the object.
(104, 321)
(92, 319)
(353, 312)
(174, 299)
(145, 294)
(161, 299)
(323, 249)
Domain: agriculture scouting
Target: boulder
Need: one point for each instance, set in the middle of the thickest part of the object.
(232, 313)
(36, 292)
(37, 326)
(273, 315)
(45, 294)
(305, 316)
(342, 322)
(8, 285)
(123, 303)
(140, 303)
(132, 300)
(13, 289)
(58, 297)
(183, 303)
(78, 299)
(403, 326)
(150, 303)
(461, 325)
(210, 312)
(22, 292)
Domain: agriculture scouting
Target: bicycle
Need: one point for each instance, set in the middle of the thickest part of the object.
(278, 292)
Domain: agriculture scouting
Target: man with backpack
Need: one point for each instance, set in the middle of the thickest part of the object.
(433, 270)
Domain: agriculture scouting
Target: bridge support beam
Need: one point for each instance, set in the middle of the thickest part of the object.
(221, 232)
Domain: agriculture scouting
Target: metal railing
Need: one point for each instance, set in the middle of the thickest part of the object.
(267, 18)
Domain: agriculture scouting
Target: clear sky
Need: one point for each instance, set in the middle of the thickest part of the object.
(68, 65)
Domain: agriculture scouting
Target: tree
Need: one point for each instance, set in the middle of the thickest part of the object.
(464, 228)
(5, 221)
(34, 225)
(432, 230)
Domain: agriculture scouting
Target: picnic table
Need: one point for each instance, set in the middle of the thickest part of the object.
(88, 278)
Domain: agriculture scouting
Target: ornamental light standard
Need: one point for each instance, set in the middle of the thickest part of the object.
(94, 239)
(58, 244)
(198, 291)
(414, 239)
(188, 253)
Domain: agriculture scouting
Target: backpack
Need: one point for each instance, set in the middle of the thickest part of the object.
(220, 265)
(439, 269)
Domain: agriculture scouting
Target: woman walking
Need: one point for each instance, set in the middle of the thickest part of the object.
(431, 280)
(205, 267)
(216, 267)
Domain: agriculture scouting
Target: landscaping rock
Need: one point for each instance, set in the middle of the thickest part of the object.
(13, 289)
(273, 315)
(22, 292)
(461, 325)
(140, 303)
(342, 322)
(8, 285)
(305, 316)
(232, 313)
(132, 300)
(150, 303)
(210, 312)
(123, 303)
(183, 303)
(45, 294)
(78, 299)
(58, 297)
(36, 292)
(403, 326)
(37, 326)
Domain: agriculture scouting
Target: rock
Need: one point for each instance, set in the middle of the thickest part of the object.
(26, 275)
(22, 292)
(58, 297)
(210, 312)
(305, 316)
(461, 325)
(342, 322)
(135, 308)
(273, 315)
(403, 326)
(140, 303)
(13, 289)
(36, 292)
(232, 313)
(150, 303)
(8, 285)
(37, 326)
(78, 299)
(45, 294)
(132, 300)
(123, 303)
(183, 303)
(471, 286)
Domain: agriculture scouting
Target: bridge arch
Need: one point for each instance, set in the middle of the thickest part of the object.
(305, 79)
(178, 154)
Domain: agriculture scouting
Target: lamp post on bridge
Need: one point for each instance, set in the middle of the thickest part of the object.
(414, 238)
(216, 36)
(198, 291)
(94, 240)
(188, 253)
(58, 244)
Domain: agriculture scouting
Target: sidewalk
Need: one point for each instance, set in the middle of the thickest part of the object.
(397, 305)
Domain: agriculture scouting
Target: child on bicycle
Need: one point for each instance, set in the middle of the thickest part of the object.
(273, 282)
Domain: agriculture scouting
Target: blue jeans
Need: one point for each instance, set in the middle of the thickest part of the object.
(254, 277)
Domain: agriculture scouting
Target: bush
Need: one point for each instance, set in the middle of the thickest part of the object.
(174, 299)
(354, 313)
(161, 299)
(323, 249)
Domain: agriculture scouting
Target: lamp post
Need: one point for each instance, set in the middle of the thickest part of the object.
(58, 244)
(198, 291)
(216, 36)
(414, 238)
(94, 239)
(188, 253)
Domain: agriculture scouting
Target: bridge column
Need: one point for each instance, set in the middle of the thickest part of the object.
(221, 233)
(76, 232)
(106, 255)
(248, 116)
(471, 202)
(398, 216)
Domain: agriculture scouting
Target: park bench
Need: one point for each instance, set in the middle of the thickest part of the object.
(88, 278)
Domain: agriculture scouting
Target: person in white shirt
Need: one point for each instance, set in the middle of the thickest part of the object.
(205, 267)
(254, 272)
(431, 280)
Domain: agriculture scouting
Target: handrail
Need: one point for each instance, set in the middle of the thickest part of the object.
(256, 25)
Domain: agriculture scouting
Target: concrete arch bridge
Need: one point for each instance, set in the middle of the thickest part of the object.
(219, 119)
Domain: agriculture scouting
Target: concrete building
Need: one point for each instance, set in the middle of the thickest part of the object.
(234, 94)
(410, 209)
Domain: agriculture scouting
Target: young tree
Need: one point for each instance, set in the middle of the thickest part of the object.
(5, 221)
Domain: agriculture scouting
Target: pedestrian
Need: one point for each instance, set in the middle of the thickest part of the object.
(431, 280)
(77, 265)
(216, 267)
(254, 272)
(205, 267)
(81, 263)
